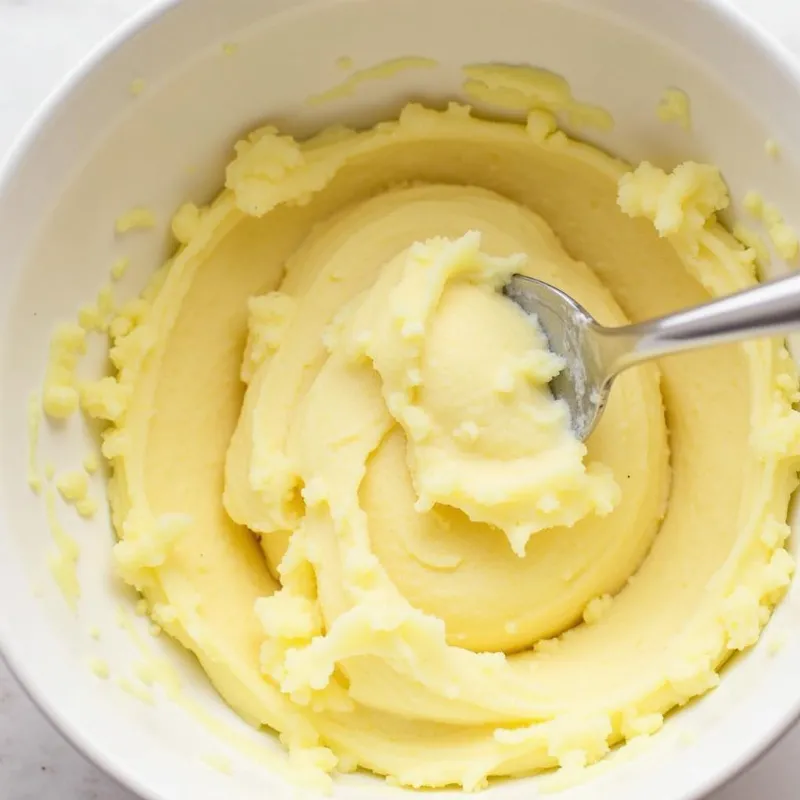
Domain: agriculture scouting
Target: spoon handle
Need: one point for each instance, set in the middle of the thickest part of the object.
(769, 309)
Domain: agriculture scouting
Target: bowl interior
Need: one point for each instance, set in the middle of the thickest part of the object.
(97, 151)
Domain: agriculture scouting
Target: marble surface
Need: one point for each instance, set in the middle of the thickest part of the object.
(40, 40)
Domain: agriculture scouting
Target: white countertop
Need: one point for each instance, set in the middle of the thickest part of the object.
(40, 40)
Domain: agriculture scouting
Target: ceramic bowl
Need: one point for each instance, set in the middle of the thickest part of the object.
(95, 150)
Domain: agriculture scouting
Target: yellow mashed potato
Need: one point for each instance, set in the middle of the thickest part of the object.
(339, 480)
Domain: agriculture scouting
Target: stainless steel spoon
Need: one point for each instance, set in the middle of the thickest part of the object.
(595, 355)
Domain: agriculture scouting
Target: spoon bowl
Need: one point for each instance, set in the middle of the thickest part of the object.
(571, 333)
(594, 355)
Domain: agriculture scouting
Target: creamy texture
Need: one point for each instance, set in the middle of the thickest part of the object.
(326, 433)
(119, 268)
(753, 241)
(60, 397)
(63, 558)
(139, 217)
(74, 488)
(523, 88)
(783, 237)
(674, 106)
(377, 72)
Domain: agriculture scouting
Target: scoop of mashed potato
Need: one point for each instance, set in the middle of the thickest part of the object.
(340, 481)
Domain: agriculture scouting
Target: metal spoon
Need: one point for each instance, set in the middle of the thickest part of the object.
(595, 355)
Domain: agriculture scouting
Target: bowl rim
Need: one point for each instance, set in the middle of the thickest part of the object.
(728, 10)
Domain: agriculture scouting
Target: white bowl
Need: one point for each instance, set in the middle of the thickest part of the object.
(95, 150)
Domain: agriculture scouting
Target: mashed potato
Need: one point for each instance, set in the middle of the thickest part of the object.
(339, 480)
